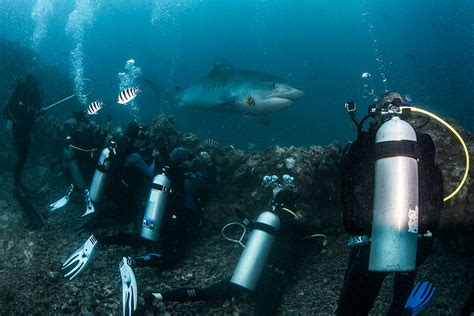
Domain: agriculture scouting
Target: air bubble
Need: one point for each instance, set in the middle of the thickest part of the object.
(41, 12)
(77, 23)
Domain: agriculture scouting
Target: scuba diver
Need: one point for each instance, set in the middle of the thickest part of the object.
(267, 261)
(173, 210)
(21, 112)
(123, 172)
(392, 197)
(80, 152)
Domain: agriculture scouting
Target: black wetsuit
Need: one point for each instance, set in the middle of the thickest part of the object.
(468, 308)
(275, 277)
(86, 146)
(361, 286)
(82, 149)
(131, 181)
(22, 109)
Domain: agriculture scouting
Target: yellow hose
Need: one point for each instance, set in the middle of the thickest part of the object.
(466, 172)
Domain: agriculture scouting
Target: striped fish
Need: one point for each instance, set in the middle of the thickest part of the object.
(128, 95)
(94, 107)
(250, 101)
(211, 142)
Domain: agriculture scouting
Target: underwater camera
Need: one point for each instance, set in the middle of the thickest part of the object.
(350, 106)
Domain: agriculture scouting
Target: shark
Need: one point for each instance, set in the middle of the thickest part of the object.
(226, 89)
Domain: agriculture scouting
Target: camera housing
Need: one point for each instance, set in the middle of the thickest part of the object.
(350, 106)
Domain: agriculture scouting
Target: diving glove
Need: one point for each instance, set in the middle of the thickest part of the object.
(420, 297)
(62, 201)
(79, 260)
(89, 205)
(129, 286)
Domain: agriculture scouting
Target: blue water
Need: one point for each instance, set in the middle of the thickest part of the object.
(421, 48)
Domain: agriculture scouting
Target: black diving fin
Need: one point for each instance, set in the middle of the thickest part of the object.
(36, 220)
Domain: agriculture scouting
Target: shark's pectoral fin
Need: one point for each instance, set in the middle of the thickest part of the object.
(264, 120)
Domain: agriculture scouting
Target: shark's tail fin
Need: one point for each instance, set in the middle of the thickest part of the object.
(164, 97)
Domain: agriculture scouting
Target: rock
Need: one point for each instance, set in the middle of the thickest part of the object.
(54, 276)
(65, 308)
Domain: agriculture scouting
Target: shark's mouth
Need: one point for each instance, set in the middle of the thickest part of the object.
(291, 95)
(280, 98)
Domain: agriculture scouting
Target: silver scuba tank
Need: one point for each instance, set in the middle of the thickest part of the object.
(253, 258)
(99, 181)
(73, 167)
(156, 207)
(395, 216)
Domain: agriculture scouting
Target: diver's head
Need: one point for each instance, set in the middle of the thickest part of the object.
(386, 102)
(31, 80)
(181, 155)
(82, 120)
(136, 134)
(132, 130)
(390, 98)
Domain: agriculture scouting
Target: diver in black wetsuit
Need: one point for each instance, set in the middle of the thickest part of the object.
(81, 149)
(22, 111)
(277, 269)
(128, 171)
(191, 178)
(83, 145)
(361, 286)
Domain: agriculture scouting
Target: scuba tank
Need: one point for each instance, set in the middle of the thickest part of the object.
(395, 212)
(156, 207)
(73, 165)
(253, 258)
(99, 181)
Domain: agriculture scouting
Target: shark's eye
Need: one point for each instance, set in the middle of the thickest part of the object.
(273, 85)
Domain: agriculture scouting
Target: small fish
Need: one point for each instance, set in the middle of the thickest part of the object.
(94, 107)
(250, 101)
(211, 142)
(128, 95)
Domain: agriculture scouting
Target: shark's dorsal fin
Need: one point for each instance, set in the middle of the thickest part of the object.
(220, 65)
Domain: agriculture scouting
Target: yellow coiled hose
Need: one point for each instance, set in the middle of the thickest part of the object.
(466, 172)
